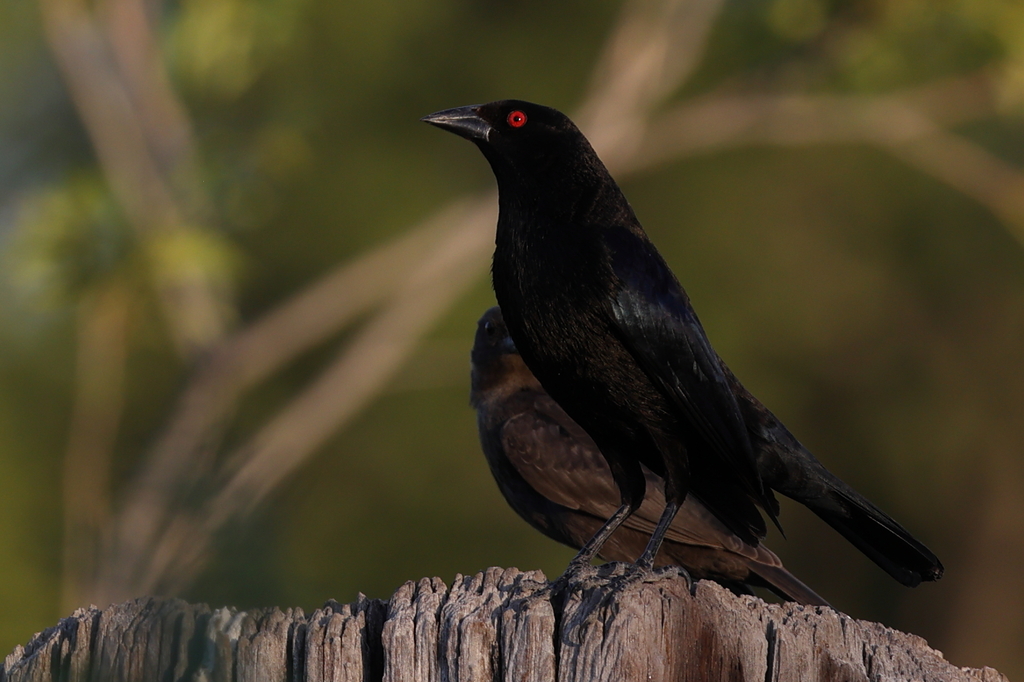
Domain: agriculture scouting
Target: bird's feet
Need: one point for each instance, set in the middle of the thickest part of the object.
(643, 572)
(673, 572)
(617, 575)
(646, 561)
(572, 574)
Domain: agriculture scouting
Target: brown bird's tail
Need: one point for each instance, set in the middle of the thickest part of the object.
(786, 585)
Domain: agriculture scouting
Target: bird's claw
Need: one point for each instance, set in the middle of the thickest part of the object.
(674, 571)
(639, 573)
(569, 576)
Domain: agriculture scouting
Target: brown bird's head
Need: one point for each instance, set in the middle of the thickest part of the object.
(497, 367)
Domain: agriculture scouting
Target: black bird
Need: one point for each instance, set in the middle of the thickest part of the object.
(552, 474)
(606, 327)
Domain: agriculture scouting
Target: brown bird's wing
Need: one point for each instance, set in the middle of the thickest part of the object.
(558, 459)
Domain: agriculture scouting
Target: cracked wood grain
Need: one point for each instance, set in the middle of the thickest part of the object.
(609, 623)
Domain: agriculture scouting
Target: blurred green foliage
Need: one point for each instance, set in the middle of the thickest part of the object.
(872, 307)
(69, 238)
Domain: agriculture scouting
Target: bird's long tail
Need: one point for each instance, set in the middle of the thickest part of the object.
(874, 532)
(790, 469)
(786, 466)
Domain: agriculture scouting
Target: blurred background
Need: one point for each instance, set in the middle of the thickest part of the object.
(239, 282)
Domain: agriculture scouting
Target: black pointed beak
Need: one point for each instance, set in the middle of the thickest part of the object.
(463, 121)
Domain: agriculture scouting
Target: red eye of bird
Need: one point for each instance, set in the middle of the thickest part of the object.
(517, 119)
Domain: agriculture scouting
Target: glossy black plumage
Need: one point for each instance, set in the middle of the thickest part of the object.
(607, 329)
(553, 476)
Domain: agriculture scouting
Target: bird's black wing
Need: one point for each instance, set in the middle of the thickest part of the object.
(654, 319)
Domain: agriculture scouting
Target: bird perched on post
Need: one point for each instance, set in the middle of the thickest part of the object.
(552, 474)
(609, 332)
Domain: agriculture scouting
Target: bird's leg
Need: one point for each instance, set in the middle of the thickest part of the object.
(633, 487)
(646, 559)
(677, 478)
(593, 546)
(589, 551)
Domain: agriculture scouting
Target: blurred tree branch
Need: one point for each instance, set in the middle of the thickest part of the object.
(912, 126)
(167, 128)
(186, 451)
(718, 121)
(652, 51)
(142, 142)
(185, 492)
(144, 145)
(356, 377)
(971, 169)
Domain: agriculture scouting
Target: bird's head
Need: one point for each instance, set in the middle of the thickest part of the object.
(511, 127)
(497, 365)
(492, 339)
(527, 145)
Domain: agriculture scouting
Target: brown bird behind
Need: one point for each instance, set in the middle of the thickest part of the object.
(553, 475)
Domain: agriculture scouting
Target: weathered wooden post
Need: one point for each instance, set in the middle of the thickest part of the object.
(500, 624)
